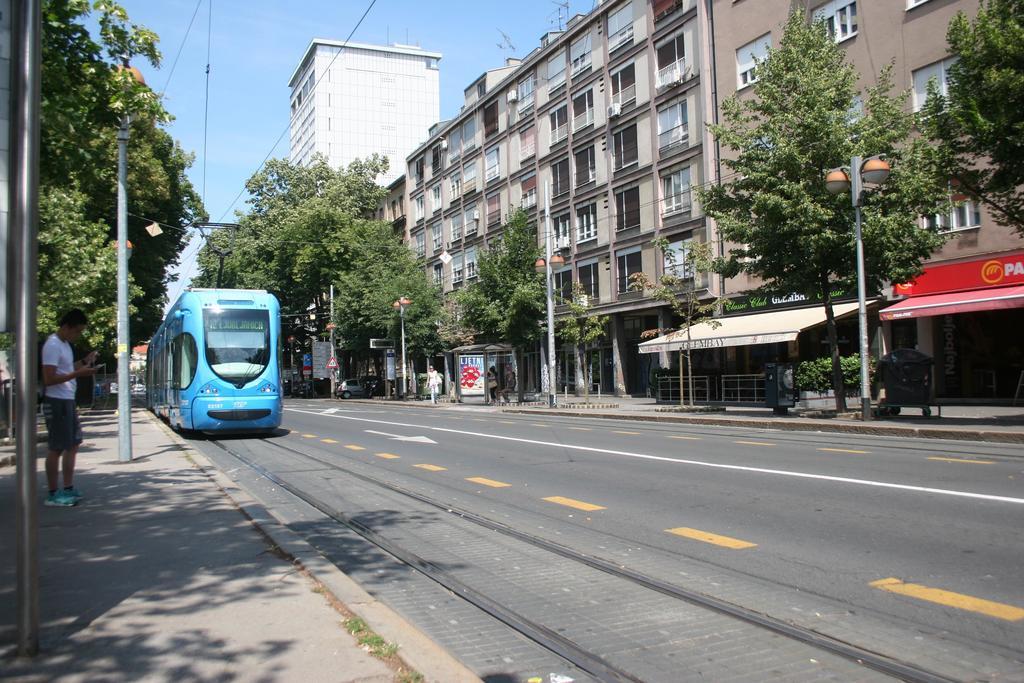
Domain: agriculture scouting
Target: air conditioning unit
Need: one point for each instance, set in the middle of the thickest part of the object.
(474, 215)
(563, 242)
(511, 96)
(615, 110)
(444, 143)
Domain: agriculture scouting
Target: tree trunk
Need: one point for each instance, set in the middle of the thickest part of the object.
(581, 363)
(520, 384)
(833, 344)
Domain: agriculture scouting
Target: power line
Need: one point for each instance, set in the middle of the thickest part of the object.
(181, 47)
(206, 107)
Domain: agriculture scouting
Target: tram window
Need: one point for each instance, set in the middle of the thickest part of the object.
(237, 343)
(189, 359)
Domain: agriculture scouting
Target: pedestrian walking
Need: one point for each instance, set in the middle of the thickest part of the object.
(433, 382)
(60, 374)
(510, 382)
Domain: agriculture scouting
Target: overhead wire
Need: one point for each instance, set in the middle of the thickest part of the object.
(181, 48)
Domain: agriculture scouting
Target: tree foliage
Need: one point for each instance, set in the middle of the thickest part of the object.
(84, 95)
(979, 124)
(805, 118)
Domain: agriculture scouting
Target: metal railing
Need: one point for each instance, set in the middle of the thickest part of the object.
(624, 96)
(560, 133)
(673, 136)
(620, 37)
(584, 119)
(673, 73)
(668, 389)
(742, 389)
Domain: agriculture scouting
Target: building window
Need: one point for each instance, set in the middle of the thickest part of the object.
(627, 209)
(559, 124)
(585, 171)
(624, 148)
(624, 86)
(418, 172)
(586, 272)
(747, 58)
(560, 178)
(529, 192)
(939, 72)
(494, 209)
(471, 263)
(421, 244)
(586, 223)
(491, 119)
(472, 221)
(435, 198)
(456, 227)
(556, 70)
(840, 17)
(963, 217)
(418, 208)
(435, 160)
(436, 236)
(438, 274)
(675, 262)
(620, 27)
(671, 61)
(491, 164)
(469, 134)
(561, 229)
(627, 262)
(563, 284)
(582, 110)
(454, 186)
(527, 143)
(457, 267)
(526, 88)
(673, 125)
(469, 178)
(579, 54)
(675, 192)
(454, 144)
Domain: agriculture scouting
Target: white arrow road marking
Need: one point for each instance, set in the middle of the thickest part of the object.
(329, 411)
(698, 463)
(399, 437)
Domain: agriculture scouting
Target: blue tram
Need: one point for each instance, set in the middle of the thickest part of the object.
(214, 364)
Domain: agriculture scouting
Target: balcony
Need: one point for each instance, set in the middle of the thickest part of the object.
(624, 96)
(681, 202)
(560, 133)
(679, 135)
(556, 81)
(525, 103)
(584, 119)
(580, 64)
(492, 173)
(672, 74)
(527, 150)
(621, 38)
(529, 200)
(494, 218)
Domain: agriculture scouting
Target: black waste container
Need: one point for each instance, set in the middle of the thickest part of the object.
(907, 377)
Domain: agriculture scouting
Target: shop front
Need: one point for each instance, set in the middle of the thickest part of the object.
(969, 317)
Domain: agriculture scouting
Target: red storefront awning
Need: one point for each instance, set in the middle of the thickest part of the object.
(991, 299)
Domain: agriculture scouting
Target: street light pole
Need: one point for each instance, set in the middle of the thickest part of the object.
(124, 396)
(330, 326)
(552, 389)
(400, 306)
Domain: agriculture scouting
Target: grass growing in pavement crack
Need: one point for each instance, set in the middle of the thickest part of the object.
(374, 644)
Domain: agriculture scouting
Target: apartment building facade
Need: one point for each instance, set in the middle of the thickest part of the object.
(609, 117)
(351, 100)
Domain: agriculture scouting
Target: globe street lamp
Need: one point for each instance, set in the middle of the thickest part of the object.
(400, 306)
(874, 171)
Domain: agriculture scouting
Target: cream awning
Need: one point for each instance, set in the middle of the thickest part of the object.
(745, 330)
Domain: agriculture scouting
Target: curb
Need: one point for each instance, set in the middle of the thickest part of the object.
(415, 648)
(800, 426)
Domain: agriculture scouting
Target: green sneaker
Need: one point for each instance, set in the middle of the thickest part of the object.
(73, 493)
(59, 500)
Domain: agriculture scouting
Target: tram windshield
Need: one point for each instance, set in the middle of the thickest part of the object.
(237, 343)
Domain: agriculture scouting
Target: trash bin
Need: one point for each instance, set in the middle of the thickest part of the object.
(907, 378)
(779, 391)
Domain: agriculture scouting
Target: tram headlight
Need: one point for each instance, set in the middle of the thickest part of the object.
(266, 388)
(210, 389)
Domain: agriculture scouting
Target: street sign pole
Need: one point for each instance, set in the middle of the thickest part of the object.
(334, 353)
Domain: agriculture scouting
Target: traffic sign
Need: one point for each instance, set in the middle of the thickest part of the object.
(332, 364)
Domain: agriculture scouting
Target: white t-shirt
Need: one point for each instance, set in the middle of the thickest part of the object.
(58, 353)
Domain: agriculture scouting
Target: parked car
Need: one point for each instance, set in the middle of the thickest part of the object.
(353, 388)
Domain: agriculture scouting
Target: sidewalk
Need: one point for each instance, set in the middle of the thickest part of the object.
(159, 574)
(994, 424)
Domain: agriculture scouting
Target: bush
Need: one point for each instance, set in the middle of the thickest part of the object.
(816, 375)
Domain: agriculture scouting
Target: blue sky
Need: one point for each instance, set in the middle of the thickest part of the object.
(256, 44)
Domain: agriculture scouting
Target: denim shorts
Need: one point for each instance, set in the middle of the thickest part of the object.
(62, 425)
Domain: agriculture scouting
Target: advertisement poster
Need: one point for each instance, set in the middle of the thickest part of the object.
(471, 375)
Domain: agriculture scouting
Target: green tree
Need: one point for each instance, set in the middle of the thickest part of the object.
(680, 287)
(782, 224)
(507, 302)
(979, 124)
(580, 327)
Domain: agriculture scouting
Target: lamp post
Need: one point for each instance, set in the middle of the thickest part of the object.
(400, 306)
(546, 266)
(124, 395)
(874, 171)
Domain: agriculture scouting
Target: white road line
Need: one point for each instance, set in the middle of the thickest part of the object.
(699, 463)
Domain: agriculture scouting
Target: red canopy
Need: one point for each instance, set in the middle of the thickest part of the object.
(991, 299)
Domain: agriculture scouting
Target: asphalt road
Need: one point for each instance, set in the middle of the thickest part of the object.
(907, 547)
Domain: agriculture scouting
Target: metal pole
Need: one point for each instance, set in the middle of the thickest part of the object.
(550, 297)
(862, 314)
(334, 354)
(124, 395)
(24, 217)
(405, 369)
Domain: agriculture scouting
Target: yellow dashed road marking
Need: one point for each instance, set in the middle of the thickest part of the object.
(488, 482)
(843, 450)
(707, 537)
(506, 422)
(754, 443)
(353, 447)
(964, 460)
(328, 440)
(627, 433)
(580, 429)
(432, 468)
(687, 438)
(951, 599)
(578, 504)
(387, 456)
(309, 436)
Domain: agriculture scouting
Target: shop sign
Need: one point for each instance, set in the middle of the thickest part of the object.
(950, 356)
(958, 277)
(765, 302)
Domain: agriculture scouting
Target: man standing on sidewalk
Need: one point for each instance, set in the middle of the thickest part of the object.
(60, 374)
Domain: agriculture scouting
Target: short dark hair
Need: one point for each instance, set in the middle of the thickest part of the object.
(73, 318)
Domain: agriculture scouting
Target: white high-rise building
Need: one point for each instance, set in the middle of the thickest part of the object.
(351, 101)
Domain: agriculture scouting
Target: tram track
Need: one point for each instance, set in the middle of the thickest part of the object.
(554, 642)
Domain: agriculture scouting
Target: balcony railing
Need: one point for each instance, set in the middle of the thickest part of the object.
(525, 102)
(560, 133)
(621, 37)
(679, 135)
(492, 173)
(580, 64)
(494, 217)
(677, 203)
(624, 96)
(527, 150)
(584, 119)
(529, 199)
(556, 81)
(673, 73)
